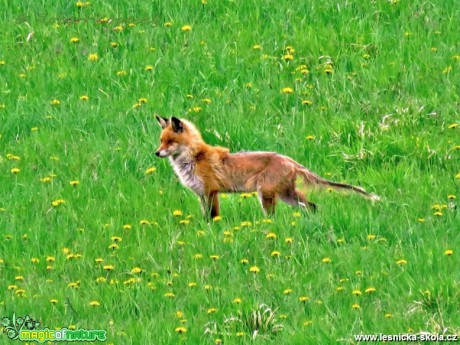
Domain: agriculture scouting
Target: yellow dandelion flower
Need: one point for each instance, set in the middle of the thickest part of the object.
(271, 236)
(169, 295)
(254, 269)
(326, 260)
(448, 252)
(53, 301)
(357, 292)
(438, 214)
(214, 257)
(116, 239)
(447, 70)
(237, 300)
(339, 288)
(217, 218)
(12, 287)
(257, 47)
(328, 69)
(74, 183)
(288, 57)
(58, 202)
(55, 102)
(15, 170)
(149, 68)
(94, 304)
(20, 292)
(82, 4)
(101, 279)
(136, 270)
(310, 137)
(114, 246)
(421, 220)
(401, 262)
(186, 28)
(99, 260)
(370, 290)
(287, 90)
(304, 298)
(457, 176)
(177, 213)
(181, 330)
(206, 100)
(388, 315)
(275, 253)
(308, 323)
(93, 57)
(212, 310)
(144, 222)
(307, 102)
(74, 285)
(127, 226)
(109, 268)
(451, 197)
(355, 306)
(288, 240)
(208, 287)
(191, 284)
(122, 73)
(244, 261)
(453, 125)
(168, 24)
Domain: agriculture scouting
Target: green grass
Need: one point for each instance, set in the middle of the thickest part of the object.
(385, 118)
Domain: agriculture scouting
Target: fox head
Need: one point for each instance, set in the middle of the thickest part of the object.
(177, 136)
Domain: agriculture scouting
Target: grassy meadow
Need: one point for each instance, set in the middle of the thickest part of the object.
(97, 233)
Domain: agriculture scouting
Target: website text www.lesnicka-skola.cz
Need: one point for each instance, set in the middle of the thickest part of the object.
(406, 337)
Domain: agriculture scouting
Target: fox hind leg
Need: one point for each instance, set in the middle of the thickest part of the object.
(268, 201)
(295, 197)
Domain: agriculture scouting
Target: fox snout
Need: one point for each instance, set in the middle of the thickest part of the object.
(161, 153)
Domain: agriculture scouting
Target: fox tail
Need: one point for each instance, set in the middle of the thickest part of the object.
(310, 178)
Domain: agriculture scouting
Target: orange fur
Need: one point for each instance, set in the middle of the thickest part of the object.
(209, 170)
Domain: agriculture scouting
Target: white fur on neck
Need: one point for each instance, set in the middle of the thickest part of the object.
(184, 167)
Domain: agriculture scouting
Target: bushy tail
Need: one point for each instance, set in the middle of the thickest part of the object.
(310, 178)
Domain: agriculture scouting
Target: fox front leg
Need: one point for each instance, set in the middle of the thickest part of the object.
(210, 204)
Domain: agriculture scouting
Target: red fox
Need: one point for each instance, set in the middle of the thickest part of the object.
(209, 170)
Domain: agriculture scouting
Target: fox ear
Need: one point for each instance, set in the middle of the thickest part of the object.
(177, 125)
(162, 121)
